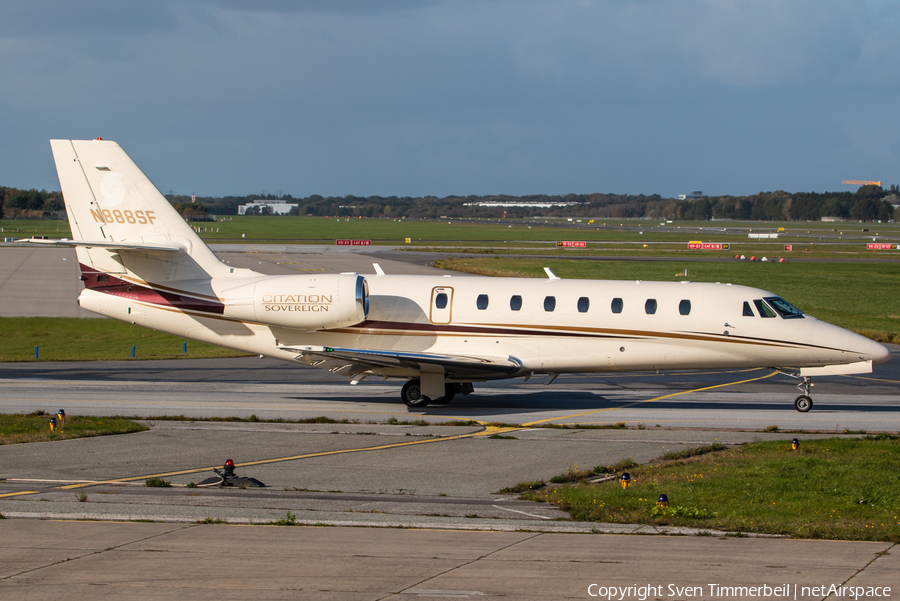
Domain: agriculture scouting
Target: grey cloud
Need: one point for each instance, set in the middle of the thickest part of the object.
(46, 18)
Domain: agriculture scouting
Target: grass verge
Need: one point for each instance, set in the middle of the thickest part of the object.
(74, 339)
(35, 427)
(829, 488)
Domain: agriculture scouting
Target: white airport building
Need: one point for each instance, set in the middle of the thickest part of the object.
(279, 207)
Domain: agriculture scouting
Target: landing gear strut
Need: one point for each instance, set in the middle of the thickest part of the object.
(803, 403)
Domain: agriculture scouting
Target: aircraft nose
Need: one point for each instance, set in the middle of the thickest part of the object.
(880, 353)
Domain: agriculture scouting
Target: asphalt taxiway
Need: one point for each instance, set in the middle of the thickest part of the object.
(374, 460)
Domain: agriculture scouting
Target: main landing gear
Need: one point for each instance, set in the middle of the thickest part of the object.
(412, 396)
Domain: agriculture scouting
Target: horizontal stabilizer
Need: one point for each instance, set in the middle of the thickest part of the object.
(860, 367)
(106, 244)
(453, 365)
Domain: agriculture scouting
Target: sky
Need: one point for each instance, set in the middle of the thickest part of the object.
(458, 97)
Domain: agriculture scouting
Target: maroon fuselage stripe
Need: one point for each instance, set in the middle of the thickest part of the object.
(109, 284)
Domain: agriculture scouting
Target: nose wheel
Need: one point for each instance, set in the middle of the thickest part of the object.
(803, 403)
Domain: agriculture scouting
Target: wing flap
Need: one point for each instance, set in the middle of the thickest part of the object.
(354, 361)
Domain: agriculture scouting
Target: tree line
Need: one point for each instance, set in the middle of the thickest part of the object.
(868, 203)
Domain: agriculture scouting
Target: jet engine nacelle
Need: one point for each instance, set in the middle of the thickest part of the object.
(299, 301)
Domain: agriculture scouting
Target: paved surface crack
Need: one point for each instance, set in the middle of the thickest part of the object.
(97, 552)
(411, 588)
(863, 569)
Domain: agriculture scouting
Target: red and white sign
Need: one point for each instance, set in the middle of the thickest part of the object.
(353, 242)
(880, 246)
(704, 246)
(343, 242)
(571, 244)
(789, 247)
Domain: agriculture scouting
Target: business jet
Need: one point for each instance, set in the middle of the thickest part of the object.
(142, 263)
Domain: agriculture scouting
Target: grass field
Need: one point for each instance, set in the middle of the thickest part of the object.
(35, 427)
(829, 488)
(518, 233)
(72, 339)
(863, 297)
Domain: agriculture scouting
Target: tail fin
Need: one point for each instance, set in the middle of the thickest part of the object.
(109, 200)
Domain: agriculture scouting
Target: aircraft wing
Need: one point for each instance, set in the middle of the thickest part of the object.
(353, 361)
(105, 244)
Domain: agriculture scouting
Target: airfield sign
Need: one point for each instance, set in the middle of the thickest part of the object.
(697, 245)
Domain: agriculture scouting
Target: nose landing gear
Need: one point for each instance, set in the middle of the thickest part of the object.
(803, 403)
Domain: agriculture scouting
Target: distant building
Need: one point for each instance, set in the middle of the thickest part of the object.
(278, 207)
(832, 218)
(693, 195)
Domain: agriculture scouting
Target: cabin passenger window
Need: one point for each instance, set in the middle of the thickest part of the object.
(684, 307)
(748, 312)
(763, 308)
(440, 301)
(482, 302)
(584, 303)
(616, 305)
(515, 302)
(650, 306)
(549, 303)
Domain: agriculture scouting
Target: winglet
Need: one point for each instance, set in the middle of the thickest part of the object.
(378, 270)
(551, 275)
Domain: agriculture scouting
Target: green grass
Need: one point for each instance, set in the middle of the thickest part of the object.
(395, 231)
(628, 236)
(157, 483)
(35, 427)
(26, 228)
(829, 291)
(289, 519)
(73, 339)
(829, 488)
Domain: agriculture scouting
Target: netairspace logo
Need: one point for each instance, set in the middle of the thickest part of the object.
(782, 591)
(112, 189)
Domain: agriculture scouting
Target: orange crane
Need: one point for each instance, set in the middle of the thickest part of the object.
(859, 182)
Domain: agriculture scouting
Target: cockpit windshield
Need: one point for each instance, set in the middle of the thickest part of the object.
(784, 308)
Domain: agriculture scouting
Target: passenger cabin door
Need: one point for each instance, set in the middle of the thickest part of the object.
(441, 305)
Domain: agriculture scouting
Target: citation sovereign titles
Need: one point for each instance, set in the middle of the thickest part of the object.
(297, 302)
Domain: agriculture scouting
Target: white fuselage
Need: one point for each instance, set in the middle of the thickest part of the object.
(483, 317)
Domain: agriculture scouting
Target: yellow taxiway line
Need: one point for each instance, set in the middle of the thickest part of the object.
(659, 398)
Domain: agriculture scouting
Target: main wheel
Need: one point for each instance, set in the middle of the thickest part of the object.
(449, 393)
(803, 403)
(412, 394)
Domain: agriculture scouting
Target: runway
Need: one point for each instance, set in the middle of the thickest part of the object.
(743, 399)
